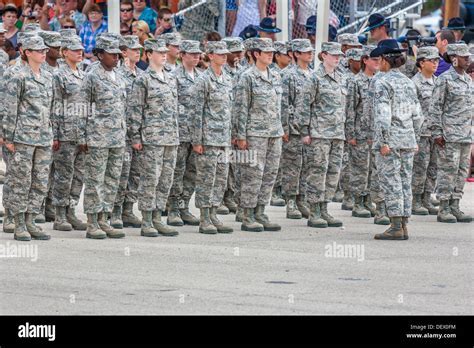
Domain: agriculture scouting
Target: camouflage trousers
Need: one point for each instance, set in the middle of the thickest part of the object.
(129, 178)
(28, 171)
(294, 167)
(424, 167)
(376, 192)
(235, 171)
(345, 175)
(184, 178)
(395, 171)
(212, 170)
(69, 166)
(101, 178)
(6, 155)
(453, 169)
(257, 179)
(361, 159)
(324, 161)
(156, 176)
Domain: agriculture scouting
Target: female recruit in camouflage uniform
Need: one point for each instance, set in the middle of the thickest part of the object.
(28, 137)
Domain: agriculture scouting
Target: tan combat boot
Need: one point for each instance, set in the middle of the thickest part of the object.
(347, 201)
(187, 217)
(229, 201)
(75, 222)
(21, 233)
(458, 213)
(221, 228)
(369, 205)
(394, 232)
(302, 206)
(109, 230)
(358, 209)
(417, 206)
(162, 228)
(315, 219)
(35, 231)
(8, 222)
(148, 230)
(277, 199)
(60, 222)
(129, 219)
(331, 220)
(381, 217)
(292, 211)
(428, 204)
(263, 219)
(444, 212)
(116, 217)
(206, 226)
(174, 217)
(93, 229)
(249, 223)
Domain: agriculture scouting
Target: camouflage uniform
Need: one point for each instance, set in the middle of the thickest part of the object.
(257, 111)
(397, 123)
(153, 110)
(174, 39)
(298, 95)
(4, 60)
(451, 118)
(29, 101)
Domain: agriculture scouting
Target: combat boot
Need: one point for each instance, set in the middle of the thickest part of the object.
(428, 204)
(49, 213)
(229, 201)
(444, 212)
(161, 227)
(221, 228)
(187, 217)
(148, 230)
(315, 219)
(417, 207)
(248, 221)
(60, 222)
(36, 232)
(395, 232)
(381, 217)
(331, 220)
(347, 201)
(109, 230)
(223, 210)
(302, 206)
(369, 205)
(405, 227)
(21, 233)
(93, 229)
(458, 213)
(71, 217)
(8, 222)
(263, 219)
(116, 217)
(205, 225)
(40, 219)
(291, 210)
(129, 219)
(359, 208)
(174, 218)
(239, 215)
(338, 196)
(435, 202)
(277, 200)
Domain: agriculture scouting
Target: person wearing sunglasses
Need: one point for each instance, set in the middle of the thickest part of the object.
(424, 163)
(164, 22)
(28, 137)
(126, 16)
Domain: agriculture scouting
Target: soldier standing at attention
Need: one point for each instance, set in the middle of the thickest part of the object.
(122, 214)
(358, 135)
(397, 125)
(322, 131)
(451, 127)
(154, 130)
(173, 41)
(184, 178)
(257, 111)
(68, 159)
(298, 95)
(211, 137)
(102, 136)
(28, 138)
(424, 163)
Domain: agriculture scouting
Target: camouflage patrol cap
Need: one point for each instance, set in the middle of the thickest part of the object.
(190, 46)
(33, 43)
(108, 44)
(173, 39)
(234, 44)
(348, 39)
(72, 43)
(332, 48)
(157, 45)
(31, 27)
(217, 47)
(301, 45)
(114, 36)
(249, 43)
(368, 50)
(355, 54)
(65, 33)
(22, 35)
(458, 49)
(131, 42)
(264, 44)
(51, 38)
(281, 47)
(427, 52)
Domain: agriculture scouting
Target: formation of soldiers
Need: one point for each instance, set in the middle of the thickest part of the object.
(259, 118)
